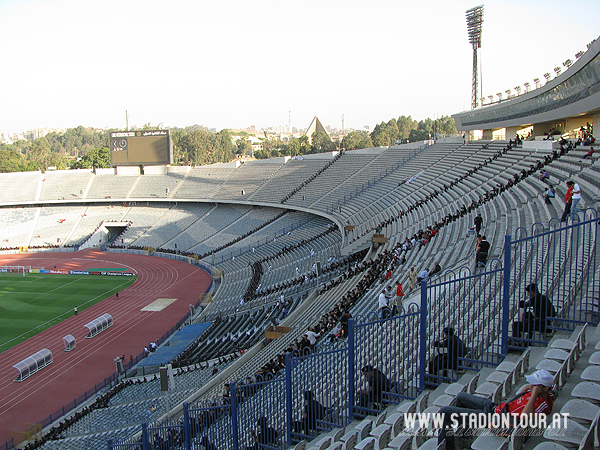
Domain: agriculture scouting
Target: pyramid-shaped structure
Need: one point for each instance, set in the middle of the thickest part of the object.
(315, 126)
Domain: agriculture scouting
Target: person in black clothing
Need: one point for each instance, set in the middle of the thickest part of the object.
(482, 251)
(266, 435)
(537, 311)
(313, 411)
(478, 223)
(448, 360)
(377, 383)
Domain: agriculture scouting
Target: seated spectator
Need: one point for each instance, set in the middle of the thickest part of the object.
(589, 154)
(436, 268)
(538, 308)
(537, 397)
(422, 276)
(448, 360)
(544, 176)
(549, 194)
(377, 383)
(313, 411)
(266, 435)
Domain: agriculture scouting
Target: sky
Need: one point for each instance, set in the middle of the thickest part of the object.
(237, 63)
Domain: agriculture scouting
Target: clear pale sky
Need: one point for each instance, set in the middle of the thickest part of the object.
(232, 64)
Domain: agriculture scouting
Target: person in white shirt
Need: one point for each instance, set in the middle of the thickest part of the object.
(312, 336)
(576, 198)
(384, 310)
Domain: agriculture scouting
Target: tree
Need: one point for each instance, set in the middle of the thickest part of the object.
(357, 139)
(405, 126)
(95, 158)
(11, 161)
(321, 142)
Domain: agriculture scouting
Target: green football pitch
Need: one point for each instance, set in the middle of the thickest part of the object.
(32, 303)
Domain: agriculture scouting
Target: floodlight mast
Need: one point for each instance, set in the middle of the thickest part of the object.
(474, 25)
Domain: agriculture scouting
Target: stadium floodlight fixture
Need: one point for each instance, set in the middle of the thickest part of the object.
(491, 97)
(499, 94)
(568, 63)
(482, 100)
(518, 89)
(508, 92)
(579, 54)
(557, 70)
(474, 25)
(527, 86)
(547, 76)
(537, 82)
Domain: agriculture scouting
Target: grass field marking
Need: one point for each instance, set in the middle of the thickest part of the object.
(55, 319)
(63, 285)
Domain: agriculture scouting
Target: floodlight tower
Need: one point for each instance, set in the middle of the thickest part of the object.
(474, 24)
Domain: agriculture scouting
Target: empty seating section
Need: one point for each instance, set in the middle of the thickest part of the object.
(290, 175)
(142, 218)
(211, 223)
(54, 225)
(91, 218)
(171, 224)
(248, 178)
(201, 182)
(66, 184)
(17, 225)
(111, 186)
(152, 186)
(342, 170)
(28, 183)
(254, 218)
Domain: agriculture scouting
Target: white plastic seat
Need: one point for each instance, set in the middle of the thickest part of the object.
(591, 373)
(455, 388)
(401, 442)
(573, 433)
(366, 444)
(595, 358)
(490, 442)
(407, 407)
(444, 400)
(579, 409)
(432, 444)
(322, 444)
(382, 435)
(350, 439)
(587, 391)
(396, 421)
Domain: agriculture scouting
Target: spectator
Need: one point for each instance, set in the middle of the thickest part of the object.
(384, 309)
(478, 220)
(454, 349)
(568, 201)
(482, 251)
(538, 308)
(544, 176)
(549, 194)
(436, 268)
(377, 383)
(589, 154)
(412, 279)
(312, 337)
(399, 293)
(537, 397)
(422, 276)
(313, 411)
(266, 435)
(576, 197)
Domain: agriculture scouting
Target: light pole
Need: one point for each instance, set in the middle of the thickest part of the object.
(474, 24)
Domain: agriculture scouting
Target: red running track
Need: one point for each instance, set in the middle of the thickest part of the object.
(73, 373)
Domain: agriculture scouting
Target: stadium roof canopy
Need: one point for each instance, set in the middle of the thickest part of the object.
(566, 103)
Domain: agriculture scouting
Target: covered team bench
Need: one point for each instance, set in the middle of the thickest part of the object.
(33, 363)
(98, 325)
(70, 342)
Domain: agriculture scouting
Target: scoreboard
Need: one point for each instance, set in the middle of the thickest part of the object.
(144, 147)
